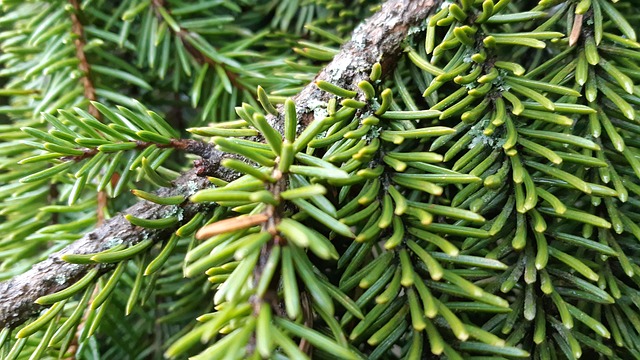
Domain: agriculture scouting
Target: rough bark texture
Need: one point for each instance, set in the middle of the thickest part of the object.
(17, 295)
(379, 39)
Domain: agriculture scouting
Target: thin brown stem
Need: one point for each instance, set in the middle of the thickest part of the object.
(204, 166)
(102, 203)
(202, 149)
(197, 54)
(85, 68)
(52, 198)
(89, 88)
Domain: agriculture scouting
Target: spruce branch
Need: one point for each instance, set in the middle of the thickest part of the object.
(481, 201)
(379, 39)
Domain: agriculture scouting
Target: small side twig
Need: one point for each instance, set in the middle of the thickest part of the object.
(204, 166)
(85, 68)
(197, 54)
(89, 88)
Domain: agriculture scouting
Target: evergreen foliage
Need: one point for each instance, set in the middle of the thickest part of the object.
(475, 199)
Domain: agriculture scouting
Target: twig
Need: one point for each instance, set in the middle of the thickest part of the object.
(85, 68)
(378, 39)
(87, 84)
(204, 166)
(89, 94)
(196, 147)
(197, 54)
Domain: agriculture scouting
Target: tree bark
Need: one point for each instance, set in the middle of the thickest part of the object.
(378, 39)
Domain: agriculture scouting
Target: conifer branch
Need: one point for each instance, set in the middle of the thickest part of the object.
(379, 39)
